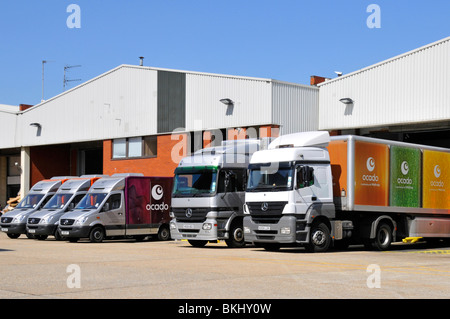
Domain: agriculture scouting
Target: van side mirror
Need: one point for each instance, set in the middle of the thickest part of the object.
(105, 207)
(71, 206)
(305, 176)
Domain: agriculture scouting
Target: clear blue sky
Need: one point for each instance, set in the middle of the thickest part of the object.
(287, 40)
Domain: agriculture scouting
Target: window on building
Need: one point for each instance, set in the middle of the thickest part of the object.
(120, 148)
(134, 147)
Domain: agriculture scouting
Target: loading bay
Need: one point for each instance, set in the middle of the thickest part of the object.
(126, 269)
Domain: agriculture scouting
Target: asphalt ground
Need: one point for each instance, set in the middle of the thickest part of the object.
(126, 269)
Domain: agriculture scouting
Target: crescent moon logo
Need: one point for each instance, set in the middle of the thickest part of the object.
(157, 192)
(437, 171)
(405, 168)
(370, 164)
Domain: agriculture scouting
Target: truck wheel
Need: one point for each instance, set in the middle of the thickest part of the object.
(383, 237)
(164, 233)
(319, 240)
(13, 236)
(198, 243)
(236, 239)
(97, 234)
(269, 246)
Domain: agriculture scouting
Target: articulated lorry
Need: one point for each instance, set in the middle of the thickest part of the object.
(311, 190)
(44, 222)
(121, 206)
(209, 192)
(14, 222)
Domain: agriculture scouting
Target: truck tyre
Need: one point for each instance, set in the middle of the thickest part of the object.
(236, 238)
(97, 234)
(198, 243)
(383, 237)
(13, 236)
(319, 238)
(269, 246)
(164, 233)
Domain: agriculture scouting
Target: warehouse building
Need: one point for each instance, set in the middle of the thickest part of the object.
(406, 98)
(142, 119)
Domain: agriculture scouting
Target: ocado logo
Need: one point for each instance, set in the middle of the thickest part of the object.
(405, 168)
(437, 171)
(370, 164)
(157, 192)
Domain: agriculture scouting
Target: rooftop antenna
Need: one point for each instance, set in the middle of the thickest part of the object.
(67, 80)
(43, 63)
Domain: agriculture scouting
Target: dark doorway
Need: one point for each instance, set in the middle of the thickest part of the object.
(91, 161)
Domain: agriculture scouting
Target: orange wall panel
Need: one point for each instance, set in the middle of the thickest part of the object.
(169, 153)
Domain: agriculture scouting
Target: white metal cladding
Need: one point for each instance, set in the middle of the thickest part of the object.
(411, 88)
(8, 129)
(251, 97)
(119, 103)
(295, 107)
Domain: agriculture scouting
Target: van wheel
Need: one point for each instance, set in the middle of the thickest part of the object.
(97, 234)
(57, 235)
(13, 236)
(164, 233)
(236, 239)
(320, 239)
(383, 237)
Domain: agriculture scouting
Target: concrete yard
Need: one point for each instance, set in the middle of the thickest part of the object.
(173, 270)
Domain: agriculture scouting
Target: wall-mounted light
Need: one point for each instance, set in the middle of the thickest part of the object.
(227, 101)
(346, 100)
(38, 125)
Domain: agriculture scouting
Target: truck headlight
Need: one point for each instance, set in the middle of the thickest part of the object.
(285, 230)
(207, 226)
(173, 226)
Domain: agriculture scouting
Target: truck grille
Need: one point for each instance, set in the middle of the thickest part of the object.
(66, 222)
(33, 220)
(195, 215)
(6, 219)
(266, 212)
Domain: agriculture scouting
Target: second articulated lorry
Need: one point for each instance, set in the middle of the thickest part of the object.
(209, 192)
(312, 190)
(123, 205)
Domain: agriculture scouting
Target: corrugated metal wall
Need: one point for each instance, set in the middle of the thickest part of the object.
(411, 88)
(8, 129)
(252, 101)
(120, 103)
(295, 107)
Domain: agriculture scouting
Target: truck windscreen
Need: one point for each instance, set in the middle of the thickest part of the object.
(270, 177)
(195, 181)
